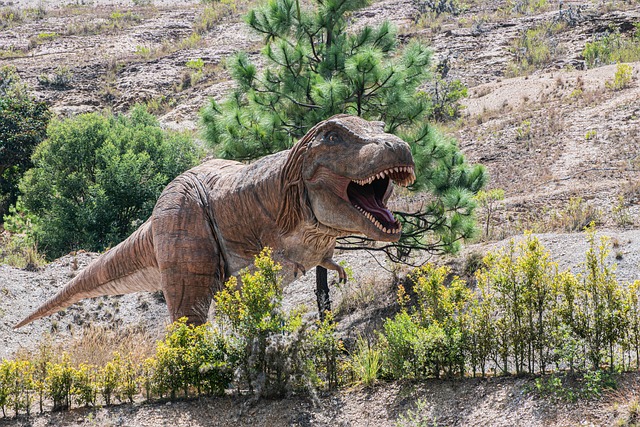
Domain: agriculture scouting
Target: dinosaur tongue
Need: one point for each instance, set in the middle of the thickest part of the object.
(369, 197)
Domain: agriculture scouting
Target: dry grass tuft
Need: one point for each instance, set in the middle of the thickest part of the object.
(96, 345)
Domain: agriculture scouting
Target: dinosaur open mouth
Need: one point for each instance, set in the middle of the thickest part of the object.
(367, 195)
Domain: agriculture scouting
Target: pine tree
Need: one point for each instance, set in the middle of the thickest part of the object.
(317, 67)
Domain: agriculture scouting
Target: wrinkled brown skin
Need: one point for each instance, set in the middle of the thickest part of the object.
(211, 221)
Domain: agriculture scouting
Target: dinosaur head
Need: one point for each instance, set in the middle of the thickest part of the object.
(347, 166)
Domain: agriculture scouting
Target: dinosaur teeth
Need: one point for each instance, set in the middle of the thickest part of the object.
(375, 221)
(401, 175)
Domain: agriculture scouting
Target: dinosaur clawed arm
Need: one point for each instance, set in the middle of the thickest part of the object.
(297, 266)
(330, 264)
(280, 257)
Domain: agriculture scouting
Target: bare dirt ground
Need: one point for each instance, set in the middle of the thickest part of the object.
(471, 402)
(530, 132)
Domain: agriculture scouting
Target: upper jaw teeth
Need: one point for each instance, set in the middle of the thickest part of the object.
(401, 175)
(374, 220)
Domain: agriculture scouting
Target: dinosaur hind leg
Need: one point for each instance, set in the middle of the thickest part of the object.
(189, 261)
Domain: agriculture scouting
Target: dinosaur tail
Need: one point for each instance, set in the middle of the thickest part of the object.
(129, 267)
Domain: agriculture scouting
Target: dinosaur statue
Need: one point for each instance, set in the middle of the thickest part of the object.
(210, 222)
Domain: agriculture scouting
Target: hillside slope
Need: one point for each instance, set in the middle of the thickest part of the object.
(555, 135)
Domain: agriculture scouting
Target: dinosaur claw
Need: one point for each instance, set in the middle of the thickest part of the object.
(297, 266)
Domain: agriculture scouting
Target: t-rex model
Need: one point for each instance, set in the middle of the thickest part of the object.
(210, 222)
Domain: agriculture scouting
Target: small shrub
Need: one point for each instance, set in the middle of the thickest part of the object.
(366, 362)
(612, 47)
(109, 378)
(418, 416)
(552, 388)
(119, 20)
(4, 385)
(445, 97)
(521, 7)
(84, 384)
(269, 344)
(438, 7)
(16, 385)
(196, 64)
(622, 78)
(325, 351)
(160, 104)
(42, 38)
(427, 340)
(191, 357)
(634, 411)
(398, 344)
(212, 15)
(143, 51)
(567, 387)
(523, 132)
(536, 48)
(488, 200)
(20, 251)
(10, 16)
(60, 79)
(621, 213)
(59, 382)
(191, 42)
(42, 359)
(575, 216)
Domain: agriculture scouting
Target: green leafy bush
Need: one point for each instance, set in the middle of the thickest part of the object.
(191, 357)
(444, 99)
(269, 343)
(108, 379)
(430, 339)
(84, 385)
(16, 385)
(594, 308)
(325, 351)
(59, 383)
(612, 47)
(23, 125)
(96, 178)
(622, 78)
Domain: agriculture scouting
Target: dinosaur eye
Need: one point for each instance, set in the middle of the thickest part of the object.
(332, 138)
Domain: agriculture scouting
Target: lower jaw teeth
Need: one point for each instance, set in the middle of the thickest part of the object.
(371, 218)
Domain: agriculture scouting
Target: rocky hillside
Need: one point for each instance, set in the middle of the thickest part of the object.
(558, 140)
